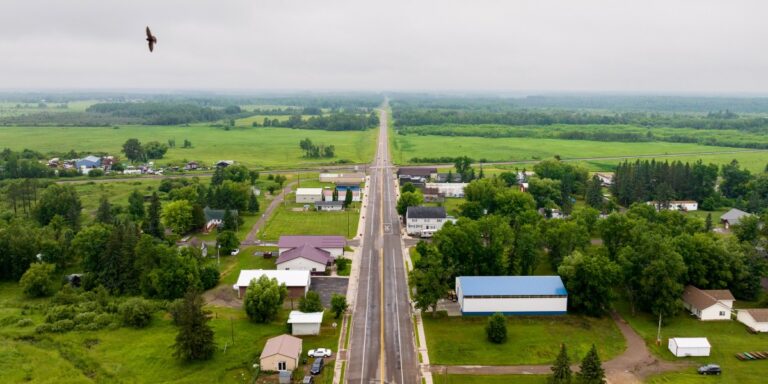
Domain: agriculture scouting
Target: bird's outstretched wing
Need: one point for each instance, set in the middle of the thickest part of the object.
(151, 45)
(149, 33)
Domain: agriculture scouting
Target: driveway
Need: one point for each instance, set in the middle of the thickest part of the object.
(327, 286)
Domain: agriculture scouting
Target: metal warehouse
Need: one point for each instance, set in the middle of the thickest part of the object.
(511, 295)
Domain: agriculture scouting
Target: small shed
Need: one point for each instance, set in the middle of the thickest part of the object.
(305, 323)
(689, 346)
(281, 353)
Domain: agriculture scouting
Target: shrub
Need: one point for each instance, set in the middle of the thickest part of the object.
(85, 318)
(37, 281)
(24, 323)
(60, 312)
(496, 330)
(105, 320)
(44, 328)
(310, 302)
(209, 277)
(62, 326)
(136, 312)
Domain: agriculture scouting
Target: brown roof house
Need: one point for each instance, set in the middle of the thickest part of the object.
(281, 353)
(755, 318)
(710, 304)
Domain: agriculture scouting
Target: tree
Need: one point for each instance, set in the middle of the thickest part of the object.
(561, 370)
(335, 195)
(59, 200)
(133, 150)
(136, 205)
(514, 204)
(563, 237)
(496, 329)
(253, 203)
(594, 195)
(153, 225)
(177, 215)
(38, 280)
(546, 192)
(338, 305)
(407, 187)
(227, 241)
(409, 199)
(310, 302)
(525, 250)
(592, 371)
(104, 212)
(748, 229)
(708, 222)
(431, 277)
(463, 167)
(589, 278)
(229, 221)
(735, 180)
(136, 312)
(348, 198)
(155, 150)
(195, 339)
(263, 299)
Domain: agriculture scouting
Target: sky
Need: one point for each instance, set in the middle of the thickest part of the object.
(648, 46)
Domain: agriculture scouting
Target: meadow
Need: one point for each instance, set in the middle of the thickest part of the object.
(286, 220)
(254, 147)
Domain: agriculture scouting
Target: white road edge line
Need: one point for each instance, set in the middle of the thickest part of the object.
(365, 325)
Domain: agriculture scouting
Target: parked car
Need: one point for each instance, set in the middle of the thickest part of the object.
(320, 352)
(236, 252)
(308, 380)
(317, 366)
(709, 369)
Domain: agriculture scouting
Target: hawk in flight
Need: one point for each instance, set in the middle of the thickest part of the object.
(152, 40)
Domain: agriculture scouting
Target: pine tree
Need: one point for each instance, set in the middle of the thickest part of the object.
(104, 212)
(229, 222)
(561, 371)
(482, 174)
(450, 176)
(592, 371)
(195, 338)
(253, 203)
(708, 222)
(136, 205)
(153, 226)
(218, 176)
(594, 194)
(335, 195)
(348, 198)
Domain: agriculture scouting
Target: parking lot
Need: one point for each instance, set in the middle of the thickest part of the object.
(327, 286)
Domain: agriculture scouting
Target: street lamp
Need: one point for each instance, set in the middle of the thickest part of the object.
(218, 251)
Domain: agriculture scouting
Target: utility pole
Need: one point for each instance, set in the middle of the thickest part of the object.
(658, 333)
(218, 251)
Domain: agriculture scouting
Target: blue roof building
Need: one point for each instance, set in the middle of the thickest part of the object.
(511, 295)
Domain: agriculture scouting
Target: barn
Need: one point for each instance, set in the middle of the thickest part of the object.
(689, 346)
(511, 295)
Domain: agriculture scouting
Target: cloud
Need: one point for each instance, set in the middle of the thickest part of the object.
(529, 45)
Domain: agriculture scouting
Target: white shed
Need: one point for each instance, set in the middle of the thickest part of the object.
(309, 195)
(755, 318)
(689, 346)
(305, 323)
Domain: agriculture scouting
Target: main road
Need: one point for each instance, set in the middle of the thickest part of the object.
(382, 347)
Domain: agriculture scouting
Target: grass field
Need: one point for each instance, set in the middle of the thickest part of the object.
(231, 265)
(286, 221)
(253, 147)
(726, 337)
(531, 340)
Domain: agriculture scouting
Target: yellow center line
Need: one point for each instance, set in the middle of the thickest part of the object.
(381, 268)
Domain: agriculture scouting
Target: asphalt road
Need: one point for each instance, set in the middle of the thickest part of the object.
(382, 347)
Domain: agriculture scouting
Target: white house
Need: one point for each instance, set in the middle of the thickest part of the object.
(296, 281)
(689, 346)
(711, 304)
(755, 318)
(331, 244)
(511, 295)
(424, 221)
(329, 205)
(305, 323)
(309, 195)
(304, 258)
(448, 189)
(677, 205)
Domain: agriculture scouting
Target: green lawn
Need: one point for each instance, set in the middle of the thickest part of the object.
(531, 340)
(488, 379)
(285, 221)
(726, 338)
(452, 205)
(253, 147)
(231, 265)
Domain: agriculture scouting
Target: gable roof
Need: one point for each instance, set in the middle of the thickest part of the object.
(305, 251)
(291, 278)
(297, 317)
(315, 241)
(416, 171)
(511, 285)
(703, 299)
(309, 191)
(759, 314)
(734, 216)
(285, 345)
(425, 213)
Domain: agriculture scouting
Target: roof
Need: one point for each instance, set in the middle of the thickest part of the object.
(426, 213)
(329, 203)
(306, 252)
(216, 214)
(417, 171)
(511, 285)
(759, 314)
(309, 191)
(285, 345)
(734, 215)
(691, 342)
(316, 241)
(291, 278)
(703, 299)
(297, 317)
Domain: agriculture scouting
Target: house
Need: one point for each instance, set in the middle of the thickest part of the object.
(432, 195)
(689, 346)
(449, 189)
(677, 205)
(341, 178)
(417, 172)
(224, 163)
(191, 166)
(443, 178)
(733, 217)
(281, 353)
(424, 221)
(606, 179)
(755, 319)
(88, 162)
(309, 195)
(305, 323)
(710, 304)
(511, 295)
(296, 281)
(329, 205)
(304, 258)
(214, 218)
(342, 192)
(331, 244)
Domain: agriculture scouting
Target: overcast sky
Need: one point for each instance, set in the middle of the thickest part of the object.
(679, 46)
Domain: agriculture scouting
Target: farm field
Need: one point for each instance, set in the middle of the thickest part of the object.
(726, 337)
(531, 340)
(253, 147)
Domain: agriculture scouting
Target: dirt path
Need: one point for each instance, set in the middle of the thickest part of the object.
(251, 238)
(631, 367)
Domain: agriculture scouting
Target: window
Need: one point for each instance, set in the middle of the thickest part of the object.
(722, 313)
(281, 365)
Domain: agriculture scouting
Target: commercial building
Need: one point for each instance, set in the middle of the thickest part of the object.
(296, 281)
(511, 295)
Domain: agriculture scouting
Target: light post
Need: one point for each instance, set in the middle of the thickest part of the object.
(218, 251)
